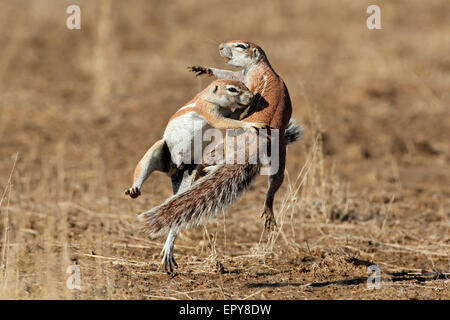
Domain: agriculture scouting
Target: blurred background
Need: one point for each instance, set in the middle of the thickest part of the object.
(368, 185)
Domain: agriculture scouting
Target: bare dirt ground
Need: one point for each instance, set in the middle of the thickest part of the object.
(369, 185)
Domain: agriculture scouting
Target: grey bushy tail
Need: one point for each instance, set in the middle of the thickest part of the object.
(294, 132)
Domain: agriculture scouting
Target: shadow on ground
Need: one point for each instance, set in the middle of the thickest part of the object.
(395, 277)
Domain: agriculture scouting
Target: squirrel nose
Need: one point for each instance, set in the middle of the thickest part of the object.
(221, 46)
(248, 97)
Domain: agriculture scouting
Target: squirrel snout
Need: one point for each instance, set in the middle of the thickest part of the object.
(225, 51)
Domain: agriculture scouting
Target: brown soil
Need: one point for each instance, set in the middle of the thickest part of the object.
(81, 107)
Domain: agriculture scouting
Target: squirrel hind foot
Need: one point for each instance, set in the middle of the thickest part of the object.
(133, 192)
(168, 262)
(270, 223)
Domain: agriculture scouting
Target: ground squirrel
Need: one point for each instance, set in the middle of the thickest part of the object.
(225, 183)
(272, 102)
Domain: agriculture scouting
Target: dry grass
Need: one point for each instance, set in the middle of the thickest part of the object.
(369, 184)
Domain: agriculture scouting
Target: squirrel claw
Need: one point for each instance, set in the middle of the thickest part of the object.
(133, 192)
(270, 224)
(168, 262)
(208, 169)
(254, 126)
(200, 70)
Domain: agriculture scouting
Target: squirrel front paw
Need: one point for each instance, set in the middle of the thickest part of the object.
(200, 70)
(133, 192)
(253, 126)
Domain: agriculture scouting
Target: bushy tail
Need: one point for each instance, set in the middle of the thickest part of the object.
(294, 132)
(203, 200)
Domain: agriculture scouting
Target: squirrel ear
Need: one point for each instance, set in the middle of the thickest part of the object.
(256, 52)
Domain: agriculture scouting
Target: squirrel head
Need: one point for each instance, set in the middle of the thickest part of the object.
(240, 53)
(229, 94)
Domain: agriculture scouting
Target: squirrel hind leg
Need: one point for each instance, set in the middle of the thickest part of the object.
(168, 260)
(275, 182)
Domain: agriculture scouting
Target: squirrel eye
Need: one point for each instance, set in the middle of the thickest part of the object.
(241, 46)
(231, 89)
